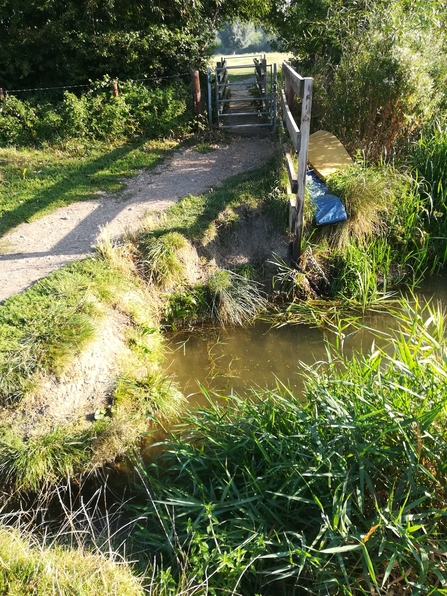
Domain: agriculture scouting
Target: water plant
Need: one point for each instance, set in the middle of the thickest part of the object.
(343, 494)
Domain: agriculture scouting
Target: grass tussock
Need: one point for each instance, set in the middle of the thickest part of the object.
(236, 300)
(29, 463)
(344, 494)
(160, 258)
(27, 568)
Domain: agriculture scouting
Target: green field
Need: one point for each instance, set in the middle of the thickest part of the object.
(242, 59)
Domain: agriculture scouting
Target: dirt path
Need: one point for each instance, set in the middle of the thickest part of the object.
(33, 250)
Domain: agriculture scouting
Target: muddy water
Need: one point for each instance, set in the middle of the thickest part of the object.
(232, 361)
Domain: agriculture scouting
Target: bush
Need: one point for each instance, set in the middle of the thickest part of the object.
(388, 80)
(96, 114)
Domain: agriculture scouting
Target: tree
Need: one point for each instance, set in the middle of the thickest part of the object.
(58, 42)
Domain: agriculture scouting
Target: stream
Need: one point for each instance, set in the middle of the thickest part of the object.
(235, 360)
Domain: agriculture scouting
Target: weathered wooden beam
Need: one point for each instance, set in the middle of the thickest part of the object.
(292, 173)
(306, 110)
(293, 79)
(290, 123)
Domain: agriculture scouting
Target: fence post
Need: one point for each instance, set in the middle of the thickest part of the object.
(2, 95)
(197, 97)
(115, 89)
(302, 164)
(210, 98)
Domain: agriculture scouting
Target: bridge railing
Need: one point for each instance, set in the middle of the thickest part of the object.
(295, 84)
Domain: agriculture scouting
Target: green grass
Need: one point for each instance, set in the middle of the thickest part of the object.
(429, 159)
(35, 182)
(386, 241)
(39, 461)
(235, 299)
(160, 258)
(342, 495)
(30, 568)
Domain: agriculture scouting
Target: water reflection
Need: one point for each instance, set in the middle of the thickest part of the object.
(231, 361)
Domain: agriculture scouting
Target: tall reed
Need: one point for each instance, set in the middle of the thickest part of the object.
(429, 158)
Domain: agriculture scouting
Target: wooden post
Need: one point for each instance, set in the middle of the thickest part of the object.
(302, 165)
(288, 89)
(210, 98)
(197, 97)
(115, 89)
(2, 95)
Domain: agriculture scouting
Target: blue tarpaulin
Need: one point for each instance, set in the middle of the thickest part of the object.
(328, 208)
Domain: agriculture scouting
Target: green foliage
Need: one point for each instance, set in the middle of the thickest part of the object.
(429, 158)
(139, 111)
(342, 494)
(237, 35)
(378, 66)
(386, 84)
(65, 43)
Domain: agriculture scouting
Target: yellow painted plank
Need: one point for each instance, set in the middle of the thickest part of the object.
(326, 154)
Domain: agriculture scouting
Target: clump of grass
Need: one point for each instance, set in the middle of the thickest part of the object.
(161, 260)
(29, 463)
(384, 243)
(148, 396)
(342, 494)
(235, 299)
(370, 195)
(30, 568)
(187, 307)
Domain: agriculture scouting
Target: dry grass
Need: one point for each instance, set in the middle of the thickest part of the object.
(27, 568)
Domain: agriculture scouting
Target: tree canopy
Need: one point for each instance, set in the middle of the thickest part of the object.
(58, 42)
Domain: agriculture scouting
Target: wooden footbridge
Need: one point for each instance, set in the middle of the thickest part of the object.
(243, 97)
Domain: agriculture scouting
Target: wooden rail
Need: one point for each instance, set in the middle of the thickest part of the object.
(261, 80)
(221, 84)
(295, 84)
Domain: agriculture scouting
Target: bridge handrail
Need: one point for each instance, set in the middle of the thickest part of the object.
(295, 84)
